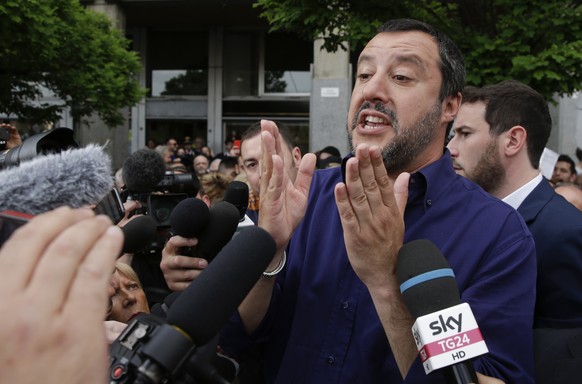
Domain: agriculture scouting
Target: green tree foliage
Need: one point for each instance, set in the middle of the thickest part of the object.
(75, 53)
(538, 42)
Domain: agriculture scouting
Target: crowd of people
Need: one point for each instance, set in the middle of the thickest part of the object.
(328, 308)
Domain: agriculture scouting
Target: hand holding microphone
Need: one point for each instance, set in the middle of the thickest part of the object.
(199, 232)
(179, 270)
(445, 332)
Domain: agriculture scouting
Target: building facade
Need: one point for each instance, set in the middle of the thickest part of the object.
(212, 68)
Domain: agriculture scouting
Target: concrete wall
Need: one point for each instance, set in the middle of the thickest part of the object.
(330, 98)
(93, 129)
(566, 125)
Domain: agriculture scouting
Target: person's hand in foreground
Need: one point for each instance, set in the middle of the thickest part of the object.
(54, 273)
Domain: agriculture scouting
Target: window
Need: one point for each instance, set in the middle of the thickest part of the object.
(241, 63)
(287, 64)
(178, 63)
(258, 63)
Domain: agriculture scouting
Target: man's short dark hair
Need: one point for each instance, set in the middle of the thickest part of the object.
(568, 159)
(227, 162)
(255, 129)
(510, 103)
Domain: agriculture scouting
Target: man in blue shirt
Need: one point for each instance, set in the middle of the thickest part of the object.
(335, 314)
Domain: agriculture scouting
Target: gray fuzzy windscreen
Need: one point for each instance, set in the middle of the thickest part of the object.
(75, 177)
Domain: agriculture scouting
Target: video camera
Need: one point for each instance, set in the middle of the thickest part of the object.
(152, 351)
(163, 197)
(53, 141)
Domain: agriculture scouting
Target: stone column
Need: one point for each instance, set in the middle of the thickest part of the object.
(330, 98)
(92, 129)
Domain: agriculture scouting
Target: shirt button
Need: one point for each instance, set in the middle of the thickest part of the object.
(345, 305)
(429, 202)
(330, 360)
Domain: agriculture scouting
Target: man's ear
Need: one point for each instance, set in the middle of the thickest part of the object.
(515, 140)
(296, 154)
(451, 107)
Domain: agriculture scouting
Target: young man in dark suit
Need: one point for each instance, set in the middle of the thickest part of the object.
(500, 133)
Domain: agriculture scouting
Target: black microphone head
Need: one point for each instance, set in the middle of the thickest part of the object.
(237, 193)
(139, 232)
(75, 177)
(426, 280)
(189, 217)
(205, 306)
(224, 219)
(143, 170)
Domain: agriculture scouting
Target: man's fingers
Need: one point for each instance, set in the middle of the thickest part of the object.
(375, 183)
(401, 191)
(271, 127)
(346, 212)
(305, 173)
(356, 192)
(381, 176)
(268, 150)
(174, 243)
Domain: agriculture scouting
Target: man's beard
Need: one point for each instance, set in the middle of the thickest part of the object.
(408, 141)
(489, 172)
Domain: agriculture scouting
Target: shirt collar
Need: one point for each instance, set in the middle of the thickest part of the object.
(518, 196)
(433, 173)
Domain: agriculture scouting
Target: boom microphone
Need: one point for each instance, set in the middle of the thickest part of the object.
(74, 177)
(203, 308)
(143, 170)
(445, 331)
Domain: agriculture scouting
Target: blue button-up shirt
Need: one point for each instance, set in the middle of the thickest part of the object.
(322, 326)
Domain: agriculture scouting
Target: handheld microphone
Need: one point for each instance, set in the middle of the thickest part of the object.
(138, 233)
(155, 352)
(445, 331)
(75, 177)
(237, 193)
(224, 218)
(213, 227)
(189, 217)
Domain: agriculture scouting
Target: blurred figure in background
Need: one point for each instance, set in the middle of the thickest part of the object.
(328, 157)
(201, 165)
(564, 170)
(212, 188)
(11, 139)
